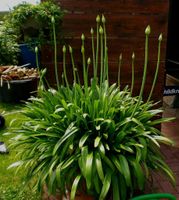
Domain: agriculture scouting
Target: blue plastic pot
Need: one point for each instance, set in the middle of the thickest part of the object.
(27, 55)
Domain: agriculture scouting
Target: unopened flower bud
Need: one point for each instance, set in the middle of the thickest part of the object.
(133, 56)
(53, 20)
(147, 30)
(101, 30)
(36, 49)
(83, 37)
(98, 19)
(120, 56)
(89, 61)
(64, 49)
(92, 31)
(103, 19)
(160, 37)
(70, 49)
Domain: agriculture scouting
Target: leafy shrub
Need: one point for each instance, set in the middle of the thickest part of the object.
(33, 22)
(27, 23)
(8, 45)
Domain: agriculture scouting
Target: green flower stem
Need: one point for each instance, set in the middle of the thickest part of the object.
(64, 66)
(63, 81)
(119, 71)
(74, 73)
(147, 33)
(133, 75)
(78, 77)
(73, 64)
(55, 52)
(36, 58)
(157, 68)
(84, 64)
(84, 69)
(88, 65)
(105, 48)
(97, 43)
(93, 52)
(102, 56)
(38, 68)
(106, 63)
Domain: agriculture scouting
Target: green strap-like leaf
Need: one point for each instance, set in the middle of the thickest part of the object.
(74, 187)
(68, 133)
(122, 187)
(84, 153)
(101, 148)
(116, 163)
(126, 148)
(161, 120)
(83, 140)
(99, 166)
(144, 149)
(97, 183)
(88, 169)
(68, 162)
(125, 169)
(139, 175)
(163, 139)
(106, 185)
(109, 163)
(137, 122)
(97, 141)
(115, 187)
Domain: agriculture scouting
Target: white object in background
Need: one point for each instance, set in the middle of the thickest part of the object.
(3, 148)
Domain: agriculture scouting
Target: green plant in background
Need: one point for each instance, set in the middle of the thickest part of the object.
(27, 23)
(9, 48)
(92, 136)
(33, 22)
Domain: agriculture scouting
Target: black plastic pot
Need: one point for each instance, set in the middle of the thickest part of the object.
(20, 90)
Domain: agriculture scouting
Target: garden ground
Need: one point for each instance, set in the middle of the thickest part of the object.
(11, 184)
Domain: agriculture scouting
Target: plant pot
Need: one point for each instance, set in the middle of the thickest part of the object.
(79, 196)
(17, 90)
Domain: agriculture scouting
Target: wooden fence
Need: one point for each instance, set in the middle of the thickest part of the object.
(126, 22)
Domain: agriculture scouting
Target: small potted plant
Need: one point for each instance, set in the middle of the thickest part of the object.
(92, 137)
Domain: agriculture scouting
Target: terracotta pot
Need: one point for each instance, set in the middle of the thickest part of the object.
(79, 196)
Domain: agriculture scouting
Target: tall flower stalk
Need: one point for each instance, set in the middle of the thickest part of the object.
(157, 68)
(55, 53)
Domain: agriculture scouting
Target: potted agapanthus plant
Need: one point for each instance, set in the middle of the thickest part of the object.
(94, 137)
